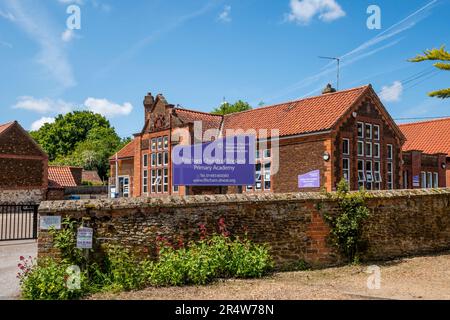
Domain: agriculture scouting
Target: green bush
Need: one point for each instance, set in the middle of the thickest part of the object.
(48, 281)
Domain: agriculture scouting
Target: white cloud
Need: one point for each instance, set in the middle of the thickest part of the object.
(67, 35)
(36, 23)
(7, 15)
(107, 108)
(225, 15)
(6, 44)
(392, 93)
(303, 11)
(41, 122)
(44, 106)
(79, 2)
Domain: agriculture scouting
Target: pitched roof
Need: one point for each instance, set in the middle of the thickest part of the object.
(427, 136)
(125, 152)
(91, 176)
(4, 127)
(308, 115)
(209, 121)
(59, 176)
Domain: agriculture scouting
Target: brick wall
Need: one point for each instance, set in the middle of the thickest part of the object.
(21, 173)
(402, 222)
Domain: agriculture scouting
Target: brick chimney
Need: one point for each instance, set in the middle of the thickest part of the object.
(328, 89)
(149, 100)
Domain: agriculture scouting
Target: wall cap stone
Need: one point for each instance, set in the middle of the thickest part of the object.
(213, 200)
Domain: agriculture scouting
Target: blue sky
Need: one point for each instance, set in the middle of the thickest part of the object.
(197, 52)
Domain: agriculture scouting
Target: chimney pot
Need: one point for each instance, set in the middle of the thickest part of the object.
(328, 89)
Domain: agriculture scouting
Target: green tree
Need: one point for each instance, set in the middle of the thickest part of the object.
(93, 153)
(436, 55)
(60, 138)
(227, 108)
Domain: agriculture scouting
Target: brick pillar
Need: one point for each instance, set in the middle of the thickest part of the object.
(137, 179)
(416, 166)
(442, 170)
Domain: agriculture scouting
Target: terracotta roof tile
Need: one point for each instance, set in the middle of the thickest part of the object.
(427, 136)
(61, 177)
(297, 117)
(209, 121)
(4, 127)
(125, 152)
(91, 176)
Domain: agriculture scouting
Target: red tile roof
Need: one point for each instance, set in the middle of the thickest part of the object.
(298, 117)
(125, 152)
(4, 127)
(61, 177)
(91, 176)
(427, 136)
(209, 121)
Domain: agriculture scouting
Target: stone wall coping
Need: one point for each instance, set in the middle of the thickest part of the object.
(49, 207)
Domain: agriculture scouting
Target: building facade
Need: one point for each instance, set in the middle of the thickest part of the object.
(427, 153)
(23, 166)
(344, 135)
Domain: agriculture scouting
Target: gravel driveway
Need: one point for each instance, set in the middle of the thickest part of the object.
(10, 253)
(414, 278)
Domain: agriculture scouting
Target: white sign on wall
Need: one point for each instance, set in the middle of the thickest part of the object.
(84, 238)
(48, 222)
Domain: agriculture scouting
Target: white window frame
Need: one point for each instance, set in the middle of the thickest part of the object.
(165, 180)
(346, 171)
(435, 180)
(363, 148)
(368, 154)
(366, 126)
(153, 144)
(363, 171)
(145, 160)
(267, 178)
(376, 138)
(390, 153)
(165, 142)
(346, 141)
(363, 129)
(429, 180)
(390, 173)
(145, 181)
(378, 179)
(423, 180)
(376, 146)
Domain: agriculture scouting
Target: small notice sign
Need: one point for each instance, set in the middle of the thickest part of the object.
(49, 222)
(416, 181)
(84, 238)
(309, 180)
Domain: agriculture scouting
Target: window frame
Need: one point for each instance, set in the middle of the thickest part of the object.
(363, 149)
(378, 130)
(366, 126)
(344, 142)
(363, 130)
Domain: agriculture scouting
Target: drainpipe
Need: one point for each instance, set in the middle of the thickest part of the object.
(117, 175)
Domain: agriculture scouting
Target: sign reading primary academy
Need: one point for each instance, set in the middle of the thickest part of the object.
(224, 162)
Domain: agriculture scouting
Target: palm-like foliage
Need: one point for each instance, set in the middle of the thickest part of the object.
(436, 55)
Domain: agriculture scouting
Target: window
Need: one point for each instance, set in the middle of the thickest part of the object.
(257, 156)
(435, 180)
(158, 180)
(360, 148)
(368, 131)
(160, 159)
(267, 153)
(376, 150)
(166, 159)
(360, 130)
(390, 152)
(346, 146)
(267, 176)
(153, 181)
(429, 180)
(258, 177)
(361, 174)
(376, 132)
(405, 180)
(390, 173)
(166, 143)
(160, 143)
(145, 182)
(369, 149)
(369, 175)
(145, 160)
(377, 175)
(153, 160)
(166, 180)
(346, 170)
(154, 144)
(423, 181)
(176, 189)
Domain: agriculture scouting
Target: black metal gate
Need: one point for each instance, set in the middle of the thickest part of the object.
(18, 222)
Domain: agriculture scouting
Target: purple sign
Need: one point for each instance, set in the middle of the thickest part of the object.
(309, 180)
(416, 181)
(224, 162)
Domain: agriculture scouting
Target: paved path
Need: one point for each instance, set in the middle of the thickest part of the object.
(9, 258)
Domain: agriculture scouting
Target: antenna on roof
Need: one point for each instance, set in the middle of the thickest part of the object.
(338, 60)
